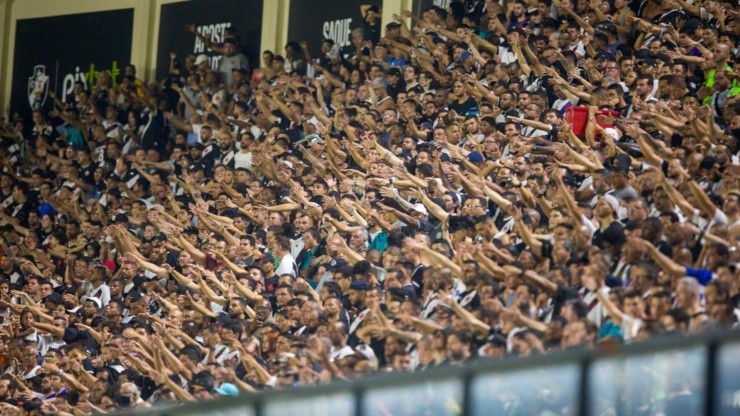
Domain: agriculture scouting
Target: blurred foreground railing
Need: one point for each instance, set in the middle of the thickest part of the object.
(670, 376)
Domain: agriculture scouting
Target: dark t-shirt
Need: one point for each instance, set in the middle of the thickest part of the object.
(469, 106)
(424, 227)
(154, 136)
(598, 239)
(87, 173)
(562, 295)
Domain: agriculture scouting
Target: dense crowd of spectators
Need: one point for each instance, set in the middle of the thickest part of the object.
(490, 181)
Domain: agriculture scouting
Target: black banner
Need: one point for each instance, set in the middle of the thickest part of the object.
(51, 53)
(421, 5)
(210, 17)
(315, 20)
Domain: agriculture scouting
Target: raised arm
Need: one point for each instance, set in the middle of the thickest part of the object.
(611, 308)
(476, 325)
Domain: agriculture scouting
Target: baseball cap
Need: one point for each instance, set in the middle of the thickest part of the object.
(313, 138)
(134, 296)
(360, 285)
(475, 157)
(366, 352)
(201, 58)
(196, 166)
(642, 54)
(496, 340)
(227, 389)
(420, 208)
(335, 264)
(95, 300)
(54, 298)
(603, 56)
(110, 264)
(288, 163)
(612, 201)
(608, 27)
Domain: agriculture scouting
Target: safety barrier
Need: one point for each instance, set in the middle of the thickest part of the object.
(671, 376)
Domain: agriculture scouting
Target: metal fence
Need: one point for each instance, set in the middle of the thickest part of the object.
(669, 376)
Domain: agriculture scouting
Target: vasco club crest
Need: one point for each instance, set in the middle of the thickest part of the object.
(38, 87)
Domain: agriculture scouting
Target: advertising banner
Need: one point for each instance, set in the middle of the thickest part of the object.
(315, 20)
(210, 18)
(52, 53)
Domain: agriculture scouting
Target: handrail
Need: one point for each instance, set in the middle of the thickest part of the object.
(581, 357)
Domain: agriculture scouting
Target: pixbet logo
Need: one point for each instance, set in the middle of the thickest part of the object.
(88, 78)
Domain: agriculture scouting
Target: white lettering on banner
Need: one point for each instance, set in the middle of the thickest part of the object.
(338, 31)
(215, 31)
(69, 82)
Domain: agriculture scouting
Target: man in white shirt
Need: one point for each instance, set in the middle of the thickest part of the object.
(287, 262)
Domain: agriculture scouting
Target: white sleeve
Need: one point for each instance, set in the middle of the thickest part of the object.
(105, 295)
(719, 217)
(589, 224)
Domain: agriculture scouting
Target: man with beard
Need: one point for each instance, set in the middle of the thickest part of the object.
(113, 312)
(96, 286)
(302, 223)
(458, 344)
(605, 213)
(231, 60)
(227, 150)
(8, 387)
(309, 318)
(238, 307)
(337, 333)
(136, 303)
(28, 367)
(310, 251)
(358, 290)
(129, 396)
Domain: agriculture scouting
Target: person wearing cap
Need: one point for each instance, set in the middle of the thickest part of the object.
(468, 62)
(201, 61)
(495, 347)
(359, 295)
(393, 31)
(92, 305)
(396, 82)
(415, 221)
(605, 213)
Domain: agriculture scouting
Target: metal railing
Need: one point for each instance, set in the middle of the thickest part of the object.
(698, 375)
